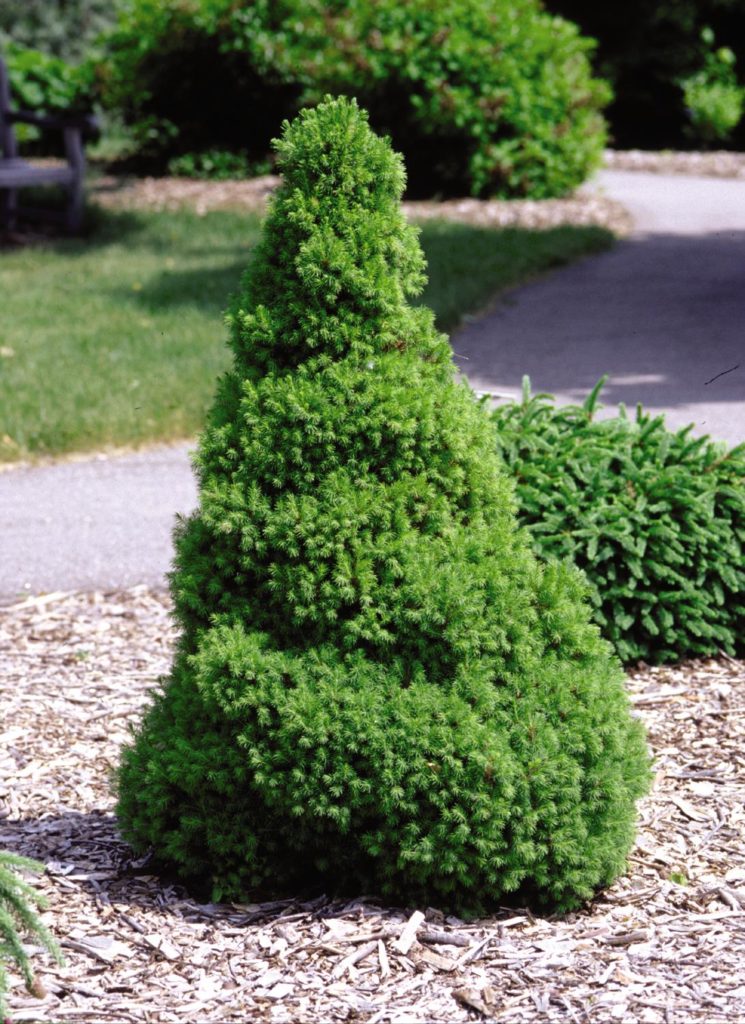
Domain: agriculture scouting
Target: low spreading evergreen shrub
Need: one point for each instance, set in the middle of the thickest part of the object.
(489, 97)
(376, 685)
(655, 518)
(18, 905)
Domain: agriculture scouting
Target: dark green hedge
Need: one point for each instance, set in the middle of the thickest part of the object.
(655, 518)
(482, 96)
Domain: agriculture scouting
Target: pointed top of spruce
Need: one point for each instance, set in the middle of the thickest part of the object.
(331, 152)
(337, 260)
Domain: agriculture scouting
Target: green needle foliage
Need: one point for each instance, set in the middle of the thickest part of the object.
(488, 97)
(655, 518)
(376, 686)
(17, 902)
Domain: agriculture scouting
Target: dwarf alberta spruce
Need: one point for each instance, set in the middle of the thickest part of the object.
(376, 685)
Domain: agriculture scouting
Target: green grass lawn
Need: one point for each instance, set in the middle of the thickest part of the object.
(117, 339)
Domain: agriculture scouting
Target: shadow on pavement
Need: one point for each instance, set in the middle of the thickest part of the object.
(662, 315)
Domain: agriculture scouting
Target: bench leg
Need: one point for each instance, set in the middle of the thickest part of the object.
(76, 160)
(8, 208)
(75, 205)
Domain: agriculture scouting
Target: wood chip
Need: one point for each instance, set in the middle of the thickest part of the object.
(688, 809)
(100, 947)
(474, 951)
(440, 938)
(482, 1000)
(385, 966)
(626, 938)
(162, 945)
(406, 939)
(354, 958)
(664, 943)
(422, 955)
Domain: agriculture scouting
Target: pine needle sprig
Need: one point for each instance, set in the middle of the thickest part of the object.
(19, 903)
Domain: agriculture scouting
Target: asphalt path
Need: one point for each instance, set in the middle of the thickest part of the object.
(100, 523)
(663, 314)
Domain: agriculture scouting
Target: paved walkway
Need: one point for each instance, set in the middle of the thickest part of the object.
(92, 524)
(663, 314)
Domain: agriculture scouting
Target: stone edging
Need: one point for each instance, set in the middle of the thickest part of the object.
(719, 163)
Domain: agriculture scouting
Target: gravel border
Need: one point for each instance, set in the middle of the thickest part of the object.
(715, 163)
(586, 207)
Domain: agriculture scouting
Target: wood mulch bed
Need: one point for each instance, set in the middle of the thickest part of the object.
(665, 943)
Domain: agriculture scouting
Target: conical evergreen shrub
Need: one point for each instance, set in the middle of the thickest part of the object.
(377, 685)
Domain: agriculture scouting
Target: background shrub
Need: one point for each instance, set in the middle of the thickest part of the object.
(46, 84)
(712, 96)
(646, 50)
(42, 82)
(482, 96)
(655, 518)
(217, 165)
(376, 685)
(192, 76)
(49, 47)
(68, 29)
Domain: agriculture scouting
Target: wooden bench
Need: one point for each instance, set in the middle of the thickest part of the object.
(16, 173)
